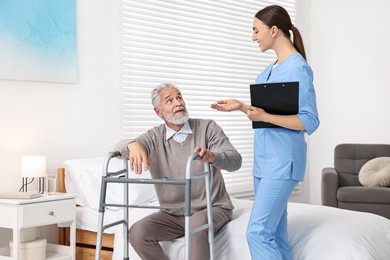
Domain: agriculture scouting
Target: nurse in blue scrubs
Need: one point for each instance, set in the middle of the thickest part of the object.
(279, 153)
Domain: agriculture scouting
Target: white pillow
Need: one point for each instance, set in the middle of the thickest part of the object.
(376, 172)
(74, 170)
(85, 177)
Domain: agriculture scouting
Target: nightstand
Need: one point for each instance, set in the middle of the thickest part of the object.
(59, 209)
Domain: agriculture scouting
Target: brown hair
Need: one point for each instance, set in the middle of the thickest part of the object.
(275, 15)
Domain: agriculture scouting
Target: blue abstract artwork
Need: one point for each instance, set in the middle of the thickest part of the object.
(38, 40)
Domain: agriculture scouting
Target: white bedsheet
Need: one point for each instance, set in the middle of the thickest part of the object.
(87, 219)
(323, 233)
(315, 232)
(230, 242)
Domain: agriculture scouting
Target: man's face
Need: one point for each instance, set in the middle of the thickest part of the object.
(172, 108)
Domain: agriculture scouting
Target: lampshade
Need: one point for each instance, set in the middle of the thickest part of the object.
(33, 166)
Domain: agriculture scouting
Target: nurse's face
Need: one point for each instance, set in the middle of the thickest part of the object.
(262, 34)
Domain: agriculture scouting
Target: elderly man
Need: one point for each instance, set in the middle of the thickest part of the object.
(164, 150)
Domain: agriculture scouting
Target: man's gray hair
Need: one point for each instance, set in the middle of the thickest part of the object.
(156, 92)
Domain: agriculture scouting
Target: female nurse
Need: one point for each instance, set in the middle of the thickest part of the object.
(279, 153)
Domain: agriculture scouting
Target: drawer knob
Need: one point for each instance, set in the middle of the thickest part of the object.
(51, 213)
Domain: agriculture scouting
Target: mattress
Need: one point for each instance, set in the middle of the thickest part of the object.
(226, 246)
(315, 232)
(87, 219)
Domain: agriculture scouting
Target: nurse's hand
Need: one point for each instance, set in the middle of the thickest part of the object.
(256, 113)
(228, 105)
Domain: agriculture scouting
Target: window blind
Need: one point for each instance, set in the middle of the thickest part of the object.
(205, 48)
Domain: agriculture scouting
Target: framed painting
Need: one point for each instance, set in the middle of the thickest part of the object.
(38, 40)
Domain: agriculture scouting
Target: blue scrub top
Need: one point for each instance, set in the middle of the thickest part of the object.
(280, 153)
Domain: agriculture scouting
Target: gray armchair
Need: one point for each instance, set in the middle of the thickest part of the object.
(340, 185)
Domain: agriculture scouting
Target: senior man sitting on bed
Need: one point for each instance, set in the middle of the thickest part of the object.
(164, 150)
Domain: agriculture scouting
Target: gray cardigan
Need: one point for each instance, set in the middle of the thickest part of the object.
(168, 158)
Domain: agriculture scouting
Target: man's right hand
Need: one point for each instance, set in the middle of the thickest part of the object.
(137, 157)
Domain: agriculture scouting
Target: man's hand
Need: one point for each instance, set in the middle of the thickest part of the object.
(137, 157)
(205, 155)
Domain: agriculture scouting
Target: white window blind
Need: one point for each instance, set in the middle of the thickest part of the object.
(205, 48)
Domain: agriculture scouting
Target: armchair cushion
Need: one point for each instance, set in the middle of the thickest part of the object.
(375, 172)
(361, 194)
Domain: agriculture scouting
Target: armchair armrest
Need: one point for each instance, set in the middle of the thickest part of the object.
(329, 186)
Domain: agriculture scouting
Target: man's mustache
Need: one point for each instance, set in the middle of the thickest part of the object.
(176, 109)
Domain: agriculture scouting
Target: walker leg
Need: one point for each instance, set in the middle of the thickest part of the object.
(210, 225)
(99, 238)
(126, 213)
(209, 215)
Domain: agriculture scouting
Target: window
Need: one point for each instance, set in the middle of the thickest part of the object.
(205, 48)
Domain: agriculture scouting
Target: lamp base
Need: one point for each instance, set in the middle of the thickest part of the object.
(41, 184)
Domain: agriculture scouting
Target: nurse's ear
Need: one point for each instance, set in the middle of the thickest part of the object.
(274, 31)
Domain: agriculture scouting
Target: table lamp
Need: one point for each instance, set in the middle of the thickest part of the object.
(33, 166)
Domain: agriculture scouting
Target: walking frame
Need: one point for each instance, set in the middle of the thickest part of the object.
(122, 176)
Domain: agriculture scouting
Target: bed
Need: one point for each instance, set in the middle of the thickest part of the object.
(315, 232)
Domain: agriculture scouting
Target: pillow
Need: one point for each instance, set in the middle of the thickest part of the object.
(376, 172)
(84, 179)
(74, 170)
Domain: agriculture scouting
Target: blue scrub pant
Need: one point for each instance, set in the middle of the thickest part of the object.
(267, 229)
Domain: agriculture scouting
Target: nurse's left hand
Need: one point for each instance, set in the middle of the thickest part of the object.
(255, 113)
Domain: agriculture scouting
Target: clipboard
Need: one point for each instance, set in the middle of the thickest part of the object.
(279, 98)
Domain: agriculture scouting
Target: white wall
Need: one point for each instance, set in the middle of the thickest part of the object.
(64, 121)
(347, 44)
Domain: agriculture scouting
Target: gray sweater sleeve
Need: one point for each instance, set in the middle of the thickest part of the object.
(229, 161)
(121, 147)
(146, 140)
(226, 156)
